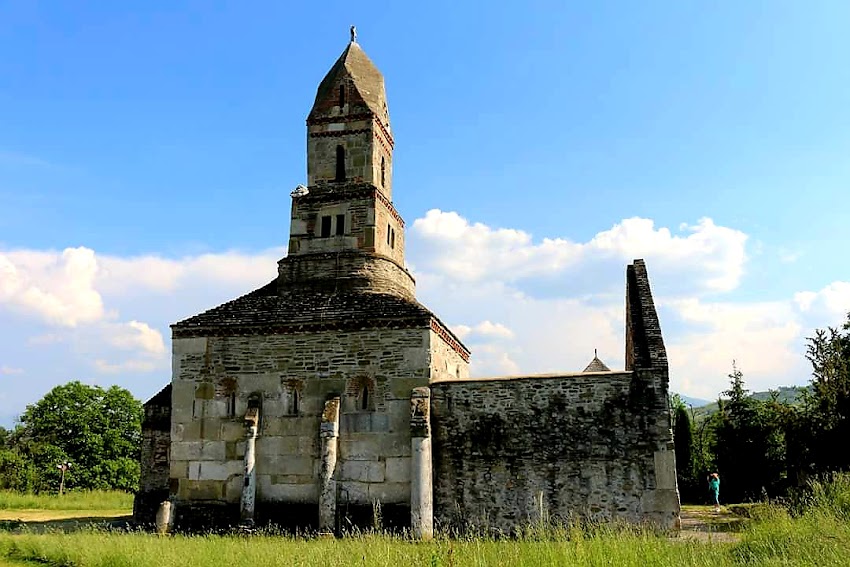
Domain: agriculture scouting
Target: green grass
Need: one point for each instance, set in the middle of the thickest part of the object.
(104, 549)
(82, 500)
(817, 534)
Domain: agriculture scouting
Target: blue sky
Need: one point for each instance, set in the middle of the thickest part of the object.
(159, 141)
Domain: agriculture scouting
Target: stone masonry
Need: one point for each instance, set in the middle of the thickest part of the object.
(331, 398)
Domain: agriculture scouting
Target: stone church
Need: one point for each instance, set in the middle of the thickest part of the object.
(331, 398)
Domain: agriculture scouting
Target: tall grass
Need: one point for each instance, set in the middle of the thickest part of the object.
(128, 550)
(819, 535)
(82, 500)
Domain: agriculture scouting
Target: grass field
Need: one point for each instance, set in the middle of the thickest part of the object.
(818, 536)
(82, 500)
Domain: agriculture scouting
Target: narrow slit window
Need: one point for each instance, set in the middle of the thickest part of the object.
(340, 225)
(383, 172)
(364, 398)
(326, 226)
(231, 405)
(392, 239)
(341, 96)
(295, 402)
(389, 229)
(340, 163)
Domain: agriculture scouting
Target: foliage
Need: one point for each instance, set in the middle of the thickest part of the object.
(683, 440)
(97, 430)
(749, 445)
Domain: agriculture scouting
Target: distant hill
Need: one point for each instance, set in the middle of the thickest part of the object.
(784, 394)
(694, 402)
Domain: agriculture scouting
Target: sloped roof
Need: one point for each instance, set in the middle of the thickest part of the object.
(300, 308)
(365, 77)
(596, 365)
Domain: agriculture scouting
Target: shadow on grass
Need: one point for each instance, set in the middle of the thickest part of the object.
(66, 525)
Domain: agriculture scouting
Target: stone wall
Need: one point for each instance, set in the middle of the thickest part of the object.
(446, 362)
(512, 451)
(156, 440)
(348, 270)
(214, 377)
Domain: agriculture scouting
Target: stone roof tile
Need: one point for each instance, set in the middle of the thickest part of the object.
(308, 306)
(365, 77)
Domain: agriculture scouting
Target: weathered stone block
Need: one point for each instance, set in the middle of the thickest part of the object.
(389, 492)
(232, 430)
(398, 469)
(219, 470)
(213, 451)
(195, 345)
(665, 470)
(186, 450)
(363, 471)
(300, 493)
(660, 501)
(200, 490)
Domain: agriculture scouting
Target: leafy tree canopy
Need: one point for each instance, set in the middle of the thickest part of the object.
(97, 430)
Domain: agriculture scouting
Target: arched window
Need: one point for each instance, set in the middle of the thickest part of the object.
(341, 96)
(364, 398)
(340, 164)
(383, 172)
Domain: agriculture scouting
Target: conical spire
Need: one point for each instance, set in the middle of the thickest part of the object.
(596, 365)
(363, 86)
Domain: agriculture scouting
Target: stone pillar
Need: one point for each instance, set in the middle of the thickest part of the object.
(164, 517)
(249, 486)
(329, 436)
(421, 489)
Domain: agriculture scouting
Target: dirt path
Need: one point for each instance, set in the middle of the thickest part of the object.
(702, 523)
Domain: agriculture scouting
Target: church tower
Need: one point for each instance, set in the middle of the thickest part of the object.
(347, 207)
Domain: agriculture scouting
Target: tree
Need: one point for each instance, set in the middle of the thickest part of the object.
(826, 425)
(683, 441)
(97, 430)
(749, 444)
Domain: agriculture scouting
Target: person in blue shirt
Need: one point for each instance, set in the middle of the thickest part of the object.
(714, 488)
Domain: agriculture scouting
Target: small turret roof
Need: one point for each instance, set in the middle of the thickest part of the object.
(596, 365)
(364, 76)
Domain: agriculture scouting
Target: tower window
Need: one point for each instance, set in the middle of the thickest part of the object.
(383, 172)
(389, 231)
(392, 239)
(340, 225)
(341, 96)
(340, 164)
(326, 226)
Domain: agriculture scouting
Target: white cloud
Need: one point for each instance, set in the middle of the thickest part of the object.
(521, 305)
(136, 336)
(483, 329)
(8, 370)
(764, 339)
(832, 300)
(707, 255)
(146, 274)
(474, 272)
(80, 296)
(58, 288)
(132, 365)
